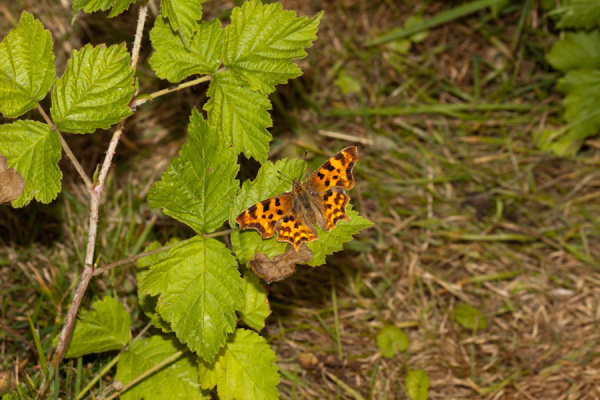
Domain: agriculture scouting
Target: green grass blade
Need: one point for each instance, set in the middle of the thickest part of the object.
(438, 19)
(38, 345)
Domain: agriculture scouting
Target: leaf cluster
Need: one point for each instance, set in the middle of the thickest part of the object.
(193, 292)
(577, 55)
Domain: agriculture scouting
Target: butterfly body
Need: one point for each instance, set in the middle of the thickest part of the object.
(320, 200)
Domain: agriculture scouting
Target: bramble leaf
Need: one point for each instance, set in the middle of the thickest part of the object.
(33, 150)
(244, 369)
(198, 187)
(255, 305)
(177, 380)
(199, 288)
(417, 385)
(578, 50)
(94, 91)
(332, 241)
(262, 41)
(182, 15)
(581, 109)
(580, 14)
(119, 7)
(173, 61)
(26, 66)
(105, 327)
(90, 6)
(240, 114)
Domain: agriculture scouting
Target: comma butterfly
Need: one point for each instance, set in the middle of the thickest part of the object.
(321, 200)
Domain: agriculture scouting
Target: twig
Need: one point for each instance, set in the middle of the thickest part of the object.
(136, 257)
(88, 271)
(150, 371)
(345, 136)
(154, 95)
(78, 167)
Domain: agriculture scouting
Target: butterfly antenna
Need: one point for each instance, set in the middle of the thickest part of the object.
(304, 161)
(285, 176)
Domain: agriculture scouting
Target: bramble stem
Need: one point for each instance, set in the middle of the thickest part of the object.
(88, 272)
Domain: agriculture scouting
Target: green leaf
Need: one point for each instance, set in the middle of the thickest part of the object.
(119, 7)
(255, 306)
(240, 114)
(244, 369)
(104, 328)
(417, 385)
(33, 149)
(262, 41)
(26, 67)
(391, 340)
(580, 14)
(332, 241)
(90, 6)
(177, 380)
(94, 91)
(582, 106)
(469, 317)
(148, 303)
(198, 187)
(199, 288)
(578, 50)
(173, 61)
(182, 15)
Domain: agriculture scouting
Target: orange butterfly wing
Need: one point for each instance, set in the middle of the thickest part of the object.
(263, 216)
(327, 186)
(336, 172)
(294, 228)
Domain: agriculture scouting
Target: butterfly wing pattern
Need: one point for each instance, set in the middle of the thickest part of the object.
(265, 215)
(327, 184)
(321, 200)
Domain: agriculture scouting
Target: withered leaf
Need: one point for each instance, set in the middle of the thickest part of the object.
(11, 183)
(282, 266)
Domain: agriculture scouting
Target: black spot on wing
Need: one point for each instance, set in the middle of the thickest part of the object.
(277, 203)
(266, 204)
(328, 166)
(320, 175)
(279, 212)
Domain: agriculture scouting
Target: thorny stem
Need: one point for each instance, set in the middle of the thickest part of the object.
(89, 267)
(136, 257)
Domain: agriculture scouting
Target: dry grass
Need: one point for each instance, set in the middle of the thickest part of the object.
(466, 211)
